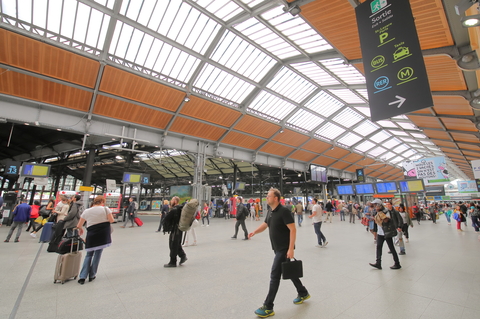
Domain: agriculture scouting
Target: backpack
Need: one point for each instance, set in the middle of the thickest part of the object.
(44, 212)
(187, 215)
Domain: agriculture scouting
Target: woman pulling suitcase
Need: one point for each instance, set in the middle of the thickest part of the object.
(98, 219)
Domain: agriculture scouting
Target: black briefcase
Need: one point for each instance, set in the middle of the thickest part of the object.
(292, 269)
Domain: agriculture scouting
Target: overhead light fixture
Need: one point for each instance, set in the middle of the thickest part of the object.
(59, 129)
(464, 5)
(3, 120)
(293, 10)
(469, 61)
(475, 103)
(470, 21)
(281, 131)
(26, 124)
(186, 99)
(299, 175)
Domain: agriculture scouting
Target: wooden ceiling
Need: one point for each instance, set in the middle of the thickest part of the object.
(52, 75)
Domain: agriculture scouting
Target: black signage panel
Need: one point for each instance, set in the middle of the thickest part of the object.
(397, 81)
(12, 168)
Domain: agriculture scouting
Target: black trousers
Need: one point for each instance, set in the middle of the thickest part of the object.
(244, 227)
(175, 245)
(161, 222)
(380, 240)
(275, 276)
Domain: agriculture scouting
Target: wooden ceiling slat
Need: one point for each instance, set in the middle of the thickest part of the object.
(134, 87)
(451, 105)
(125, 111)
(437, 134)
(32, 88)
(464, 137)
(323, 161)
(469, 146)
(32, 55)
(243, 140)
(445, 143)
(256, 126)
(444, 74)
(210, 112)
(291, 138)
(424, 121)
(302, 155)
(337, 152)
(276, 149)
(352, 158)
(197, 129)
(316, 146)
(459, 124)
(339, 165)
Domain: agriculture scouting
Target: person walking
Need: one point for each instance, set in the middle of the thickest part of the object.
(21, 216)
(98, 219)
(352, 211)
(433, 212)
(388, 223)
(175, 239)
(34, 213)
(130, 213)
(474, 214)
(317, 213)
(299, 211)
(329, 209)
(242, 213)
(417, 212)
(205, 215)
(407, 222)
(163, 213)
(282, 232)
(459, 217)
(447, 210)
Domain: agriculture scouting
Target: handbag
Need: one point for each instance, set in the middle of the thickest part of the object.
(292, 269)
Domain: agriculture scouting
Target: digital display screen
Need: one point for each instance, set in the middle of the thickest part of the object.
(131, 177)
(345, 189)
(240, 186)
(318, 173)
(412, 186)
(35, 170)
(145, 178)
(386, 188)
(364, 189)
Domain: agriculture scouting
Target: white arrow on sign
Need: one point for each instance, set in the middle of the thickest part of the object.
(399, 101)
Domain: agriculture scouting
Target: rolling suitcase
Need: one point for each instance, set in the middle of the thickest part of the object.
(68, 265)
(138, 221)
(46, 233)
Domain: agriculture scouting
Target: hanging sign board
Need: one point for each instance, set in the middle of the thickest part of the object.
(397, 81)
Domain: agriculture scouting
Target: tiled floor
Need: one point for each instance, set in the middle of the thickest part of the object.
(225, 278)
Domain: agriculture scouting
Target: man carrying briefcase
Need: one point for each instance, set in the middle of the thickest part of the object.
(282, 232)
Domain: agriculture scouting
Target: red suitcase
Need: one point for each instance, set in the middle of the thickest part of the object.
(138, 221)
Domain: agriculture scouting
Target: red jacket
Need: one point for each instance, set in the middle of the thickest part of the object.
(34, 213)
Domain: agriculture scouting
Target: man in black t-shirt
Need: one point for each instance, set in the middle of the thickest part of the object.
(242, 214)
(282, 232)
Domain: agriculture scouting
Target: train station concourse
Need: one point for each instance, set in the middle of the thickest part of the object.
(215, 99)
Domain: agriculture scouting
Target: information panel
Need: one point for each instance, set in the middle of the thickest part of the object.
(386, 188)
(361, 189)
(345, 189)
(397, 81)
(412, 186)
(35, 170)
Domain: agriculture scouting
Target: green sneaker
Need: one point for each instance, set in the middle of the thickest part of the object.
(301, 299)
(263, 312)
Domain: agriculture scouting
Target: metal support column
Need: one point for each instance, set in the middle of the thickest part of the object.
(87, 176)
(198, 172)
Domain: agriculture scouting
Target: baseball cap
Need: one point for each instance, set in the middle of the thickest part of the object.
(377, 201)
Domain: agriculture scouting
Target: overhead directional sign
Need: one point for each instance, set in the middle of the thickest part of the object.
(397, 81)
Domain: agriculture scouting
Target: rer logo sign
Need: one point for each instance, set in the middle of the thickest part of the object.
(396, 77)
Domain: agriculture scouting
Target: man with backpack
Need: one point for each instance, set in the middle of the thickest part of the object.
(170, 224)
(242, 214)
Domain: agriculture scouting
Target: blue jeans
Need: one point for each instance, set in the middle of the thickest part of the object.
(342, 215)
(90, 264)
(300, 220)
(275, 275)
(447, 217)
(319, 233)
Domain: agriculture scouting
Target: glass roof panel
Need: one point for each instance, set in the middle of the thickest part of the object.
(237, 54)
(427, 142)
(305, 120)
(272, 106)
(387, 124)
(252, 3)
(324, 104)
(346, 72)
(409, 153)
(364, 110)
(291, 85)
(377, 151)
(408, 140)
(391, 143)
(397, 159)
(397, 132)
(366, 128)
(348, 96)
(365, 146)
(223, 84)
(363, 92)
(418, 135)
(349, 139)
(408, 126)
(223, 9)
(348, 117)
(380, 137)
(266, 38)
(297, 30)
(388, 155)
(400, 149)
(330, 131)
(315, 73)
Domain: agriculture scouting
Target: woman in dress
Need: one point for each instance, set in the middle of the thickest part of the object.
(98, 219)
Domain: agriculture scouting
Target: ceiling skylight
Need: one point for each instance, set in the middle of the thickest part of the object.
(268, 104)
(291, 85)
(324, 104)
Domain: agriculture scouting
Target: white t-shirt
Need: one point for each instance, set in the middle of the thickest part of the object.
(96, 215)
(404, 218)
(319, 212)
(380, 228)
